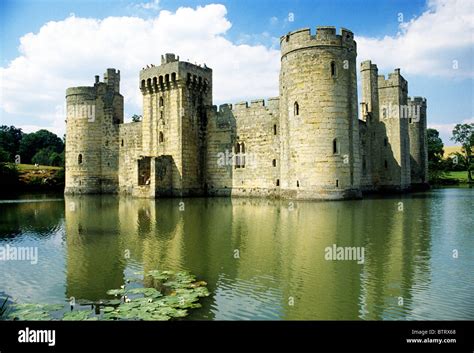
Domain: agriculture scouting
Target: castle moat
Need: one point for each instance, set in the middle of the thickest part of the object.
(262, 259)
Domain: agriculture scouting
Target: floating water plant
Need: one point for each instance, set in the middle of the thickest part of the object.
(160, 295)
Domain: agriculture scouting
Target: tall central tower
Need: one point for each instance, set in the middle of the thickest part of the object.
(176, 98)
(318, 115)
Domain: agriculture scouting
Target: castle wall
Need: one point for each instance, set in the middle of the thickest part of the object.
(318, 115)
(243, 149)
(130, 142)
(366, 183)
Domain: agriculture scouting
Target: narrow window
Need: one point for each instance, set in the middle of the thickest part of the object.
(79, 158)
(297, 183)
(161, 102)
(337, 183)
(409, 120)
(243, 154)
(274, 162)
(386, 164)
(237, 155)
(384, 112)
(161, 138)
(334, 147)
(167, 78)
(385, 142)
(296, 109)
(278, 182)
(274, 129)
(333, 69)
(173, 76)
(160, 80)
(122, 142)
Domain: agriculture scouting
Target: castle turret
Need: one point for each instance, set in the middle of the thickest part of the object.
(418, 144)
(319, 115)
(93, 115)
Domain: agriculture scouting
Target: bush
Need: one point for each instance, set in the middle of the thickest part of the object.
(8, 175)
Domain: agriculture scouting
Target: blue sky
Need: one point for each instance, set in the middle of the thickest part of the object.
(48, 45)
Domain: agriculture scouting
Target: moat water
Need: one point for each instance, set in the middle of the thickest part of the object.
(262, 259)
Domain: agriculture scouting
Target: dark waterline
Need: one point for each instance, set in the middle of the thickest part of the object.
(281, 271)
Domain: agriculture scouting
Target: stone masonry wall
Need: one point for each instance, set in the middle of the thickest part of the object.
(252, 128)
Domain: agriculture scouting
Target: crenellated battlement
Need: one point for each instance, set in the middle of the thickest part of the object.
(269, 103)
(367, 65)
(395, 79)
(417, 100)
(172, 73)
(111, 82)
(325, 36)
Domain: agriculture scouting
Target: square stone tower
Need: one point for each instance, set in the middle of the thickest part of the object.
(176, 98)
(393, 113)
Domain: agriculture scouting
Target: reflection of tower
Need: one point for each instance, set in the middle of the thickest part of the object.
(318, 115)
(95, 260)
(398, 258)
(93, 116)
(321, 289)
(153, 231)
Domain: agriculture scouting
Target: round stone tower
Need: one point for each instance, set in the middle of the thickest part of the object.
(92, 126)
(319, 115)
(83, 142)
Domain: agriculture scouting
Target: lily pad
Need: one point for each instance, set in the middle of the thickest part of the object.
(116, 292)
(77, 315)
(168, 295)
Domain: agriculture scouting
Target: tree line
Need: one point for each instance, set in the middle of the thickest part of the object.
(41, 147)
(438, 166)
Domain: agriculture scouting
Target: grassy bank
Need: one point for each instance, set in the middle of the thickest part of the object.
(453, 178)
(29, 177)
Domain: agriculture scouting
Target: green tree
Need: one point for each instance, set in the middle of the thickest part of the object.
(464, 134)
(4, 155)
(33, 143)
(10, 138)
(136, 118)
(8, 176)
(435, 154)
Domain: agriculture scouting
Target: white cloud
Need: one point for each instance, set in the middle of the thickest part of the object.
(446, 130)
(432, 44)
(151, 5)
(70, 52)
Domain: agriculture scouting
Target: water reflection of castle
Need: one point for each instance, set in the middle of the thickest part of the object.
(281, 248)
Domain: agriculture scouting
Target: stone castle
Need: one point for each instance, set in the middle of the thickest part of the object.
(308, 143)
